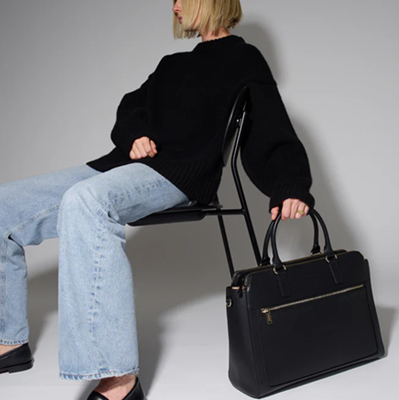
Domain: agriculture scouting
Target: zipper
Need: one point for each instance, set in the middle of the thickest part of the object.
(267, 311)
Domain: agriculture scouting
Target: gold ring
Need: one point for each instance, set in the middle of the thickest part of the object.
(300, 212)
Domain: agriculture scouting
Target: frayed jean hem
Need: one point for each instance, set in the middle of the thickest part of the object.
(98, 375)
(13, 342)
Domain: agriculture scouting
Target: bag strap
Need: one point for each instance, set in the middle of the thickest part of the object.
(330, 257)
(316, 247)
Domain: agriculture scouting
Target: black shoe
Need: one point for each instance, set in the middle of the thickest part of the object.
(136, 393)
(16, 360)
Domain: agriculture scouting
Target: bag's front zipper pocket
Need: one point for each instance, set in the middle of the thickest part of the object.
(267, 311)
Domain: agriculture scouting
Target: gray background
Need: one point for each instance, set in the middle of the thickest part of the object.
(64, 66)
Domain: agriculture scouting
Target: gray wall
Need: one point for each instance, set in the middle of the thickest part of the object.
(64, 66)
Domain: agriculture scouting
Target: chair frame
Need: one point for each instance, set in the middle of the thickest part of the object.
(196, 212)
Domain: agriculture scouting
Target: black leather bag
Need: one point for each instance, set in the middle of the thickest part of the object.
(294, 322)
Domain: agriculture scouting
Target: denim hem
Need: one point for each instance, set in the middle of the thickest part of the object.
(12, 342)
(98, 375)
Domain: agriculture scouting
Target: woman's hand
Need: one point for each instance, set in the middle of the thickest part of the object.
(290, 207)
(143, 147)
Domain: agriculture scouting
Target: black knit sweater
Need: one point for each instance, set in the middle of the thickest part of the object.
(184, 107)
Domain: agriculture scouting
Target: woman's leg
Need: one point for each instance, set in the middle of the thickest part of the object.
(97, 322)
(28, 215)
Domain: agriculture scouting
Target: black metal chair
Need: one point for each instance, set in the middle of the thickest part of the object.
(232, 140)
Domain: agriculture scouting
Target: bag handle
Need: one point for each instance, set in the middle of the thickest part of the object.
(316, 247)
(330, 257)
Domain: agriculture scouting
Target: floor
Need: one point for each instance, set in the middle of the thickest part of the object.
(183, 338)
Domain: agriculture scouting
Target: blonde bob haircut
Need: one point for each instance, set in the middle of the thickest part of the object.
(214, 14)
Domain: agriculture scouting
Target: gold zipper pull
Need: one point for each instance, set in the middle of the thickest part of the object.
(268, 315)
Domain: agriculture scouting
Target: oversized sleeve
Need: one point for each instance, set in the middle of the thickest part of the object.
(131, 118)
(272, 155)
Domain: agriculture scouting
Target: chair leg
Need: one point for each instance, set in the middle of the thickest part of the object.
(252, 236)
(226, 245)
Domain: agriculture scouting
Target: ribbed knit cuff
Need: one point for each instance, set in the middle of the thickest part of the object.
(291, 192)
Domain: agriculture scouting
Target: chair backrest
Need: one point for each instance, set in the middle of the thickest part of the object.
(238, 111)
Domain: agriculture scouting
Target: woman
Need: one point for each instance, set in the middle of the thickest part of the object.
(168, 137)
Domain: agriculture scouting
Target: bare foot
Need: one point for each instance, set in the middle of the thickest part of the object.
(116, 387)
(4, 348)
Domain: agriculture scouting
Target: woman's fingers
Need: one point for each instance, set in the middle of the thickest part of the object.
(154, 147)
(147, 146)
(143, 147)
(301, 207)
(274, 212)
(290, 208)
(134, 153)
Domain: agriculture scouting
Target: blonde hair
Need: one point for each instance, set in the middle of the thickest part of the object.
(214, 14)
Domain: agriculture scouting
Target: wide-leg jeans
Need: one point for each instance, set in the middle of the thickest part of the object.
(88, 211)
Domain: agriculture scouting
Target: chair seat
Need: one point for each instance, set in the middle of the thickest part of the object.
(194, 212)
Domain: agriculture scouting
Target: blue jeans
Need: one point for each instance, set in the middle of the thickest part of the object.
(87, 210)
